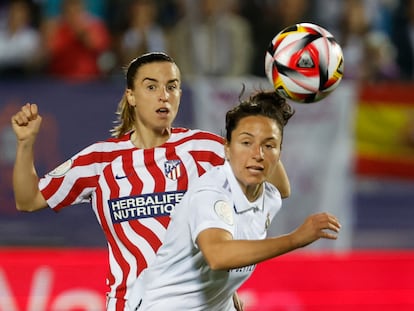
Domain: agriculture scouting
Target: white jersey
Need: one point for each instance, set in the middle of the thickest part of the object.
(179, 278)
(132, 192)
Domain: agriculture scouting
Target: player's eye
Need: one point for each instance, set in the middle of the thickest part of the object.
(172, 87)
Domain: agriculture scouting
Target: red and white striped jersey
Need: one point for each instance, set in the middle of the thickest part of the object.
(132, 192)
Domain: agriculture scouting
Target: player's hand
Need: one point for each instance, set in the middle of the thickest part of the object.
(315, 227)
(26, 122)
(238, 304)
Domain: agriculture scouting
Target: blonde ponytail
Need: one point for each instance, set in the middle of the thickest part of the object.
(125, 118)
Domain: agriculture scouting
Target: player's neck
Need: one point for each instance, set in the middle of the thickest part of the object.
(145, 139)
(253, 192)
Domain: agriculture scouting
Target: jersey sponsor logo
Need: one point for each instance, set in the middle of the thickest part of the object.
(144, 206)
(172, 169)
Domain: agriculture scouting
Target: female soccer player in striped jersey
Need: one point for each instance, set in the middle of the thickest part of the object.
(132, 180)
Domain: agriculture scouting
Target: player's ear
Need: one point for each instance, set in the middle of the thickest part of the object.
(227, 150)
(130, 97)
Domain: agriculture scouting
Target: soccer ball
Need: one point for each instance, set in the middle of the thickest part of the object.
(304, 63)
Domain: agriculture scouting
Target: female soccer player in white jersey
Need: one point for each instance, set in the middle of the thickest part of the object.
(218, 232)
(132, 180)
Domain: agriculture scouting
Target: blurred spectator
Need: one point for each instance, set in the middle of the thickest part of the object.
(52, 8)
(75, 42)
(212, 39)
(169, 12)
(368, 53)
(402, 34)
(116, 20)
(382, 14)
(379, 61)
(354, 26)
(267, 19)
(328, 13)
(19, 41)
(143, 33)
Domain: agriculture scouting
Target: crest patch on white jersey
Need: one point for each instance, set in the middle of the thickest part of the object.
(224, 212)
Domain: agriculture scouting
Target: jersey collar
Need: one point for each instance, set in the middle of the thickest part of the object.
(241, 203)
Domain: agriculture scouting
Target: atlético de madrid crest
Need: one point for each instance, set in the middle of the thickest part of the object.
(172, 169)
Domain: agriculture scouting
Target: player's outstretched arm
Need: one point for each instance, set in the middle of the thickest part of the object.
(26, 125)
(223, 253)
(238, 304)
(280, 180)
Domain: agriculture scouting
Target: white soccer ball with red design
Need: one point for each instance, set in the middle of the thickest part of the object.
(304, 63)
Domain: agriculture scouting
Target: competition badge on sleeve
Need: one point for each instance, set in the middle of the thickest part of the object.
(62, 169)
(224, 212)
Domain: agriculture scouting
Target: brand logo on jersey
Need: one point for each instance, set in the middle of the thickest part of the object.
(121, 176)
(144, 206)
(172, 169)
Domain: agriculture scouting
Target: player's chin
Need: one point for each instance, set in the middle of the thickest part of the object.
(254, 180)
(164, 119)
(162, 124)
(256, 173)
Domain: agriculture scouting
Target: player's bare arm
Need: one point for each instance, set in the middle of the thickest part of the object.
(223, 253)
(26, 125)
(280, 180)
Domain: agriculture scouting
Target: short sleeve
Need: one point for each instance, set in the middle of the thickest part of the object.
(210, 209)
(73, 181)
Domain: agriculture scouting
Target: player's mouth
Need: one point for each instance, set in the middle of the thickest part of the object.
(255, 169)
(163, 111)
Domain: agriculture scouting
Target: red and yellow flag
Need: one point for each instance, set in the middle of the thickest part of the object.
(385, 131)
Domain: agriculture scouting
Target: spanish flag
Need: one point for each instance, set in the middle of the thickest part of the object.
(385, 131)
